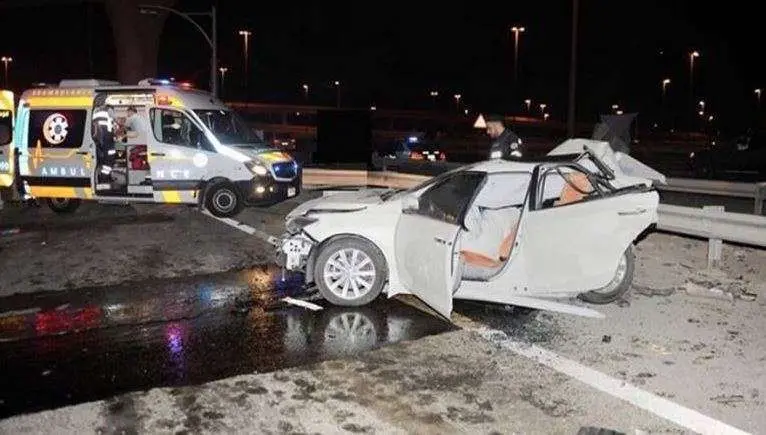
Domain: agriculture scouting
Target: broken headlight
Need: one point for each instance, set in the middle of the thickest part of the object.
(296, 224)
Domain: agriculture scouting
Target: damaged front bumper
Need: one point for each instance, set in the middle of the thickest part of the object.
(294, 251)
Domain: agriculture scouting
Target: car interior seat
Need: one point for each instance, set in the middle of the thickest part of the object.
(576, 188)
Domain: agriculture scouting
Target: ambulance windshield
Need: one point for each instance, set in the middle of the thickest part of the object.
(230, 128)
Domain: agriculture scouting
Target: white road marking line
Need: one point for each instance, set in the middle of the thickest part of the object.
(688, 418)
(304, 304)
(246, 229)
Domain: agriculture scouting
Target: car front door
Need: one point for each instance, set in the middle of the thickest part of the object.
(573, 241)
(426, 239)
(179, 153)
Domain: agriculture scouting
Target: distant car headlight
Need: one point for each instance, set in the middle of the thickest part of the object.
(257, 168)
(297, 223)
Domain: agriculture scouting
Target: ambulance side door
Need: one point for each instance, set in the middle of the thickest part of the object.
(179, 153)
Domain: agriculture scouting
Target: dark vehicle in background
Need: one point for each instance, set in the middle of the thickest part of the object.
(417, 146)
(742, 158)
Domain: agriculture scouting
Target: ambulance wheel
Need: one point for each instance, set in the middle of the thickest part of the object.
(63, 205)
(223, 199)
(350, 272)
(623, 278)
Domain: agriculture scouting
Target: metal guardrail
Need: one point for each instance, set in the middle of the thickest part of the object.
(711, 222)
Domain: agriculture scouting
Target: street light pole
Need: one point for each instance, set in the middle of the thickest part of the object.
(246, 34)
(757, 95)
(212, 41)
(6, 60)
(223, 77)
(692, 55)
(516, 31)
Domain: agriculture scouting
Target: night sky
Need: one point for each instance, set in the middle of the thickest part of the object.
(392, 54)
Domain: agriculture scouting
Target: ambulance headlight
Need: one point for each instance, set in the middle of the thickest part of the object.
(257, 168)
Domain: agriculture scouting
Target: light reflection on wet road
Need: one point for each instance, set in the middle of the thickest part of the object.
(68, 347)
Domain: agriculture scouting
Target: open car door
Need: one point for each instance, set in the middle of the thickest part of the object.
(426, 239)
(575, 233)
(6, 138)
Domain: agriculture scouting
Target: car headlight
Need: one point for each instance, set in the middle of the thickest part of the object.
(257, 168)
(297, 223)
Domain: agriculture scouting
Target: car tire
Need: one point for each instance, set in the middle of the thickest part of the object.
(374, 271)
(63, 205)
(623, 278)
(223, 199)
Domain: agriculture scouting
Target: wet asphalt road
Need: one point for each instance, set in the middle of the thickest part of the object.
(68, 347)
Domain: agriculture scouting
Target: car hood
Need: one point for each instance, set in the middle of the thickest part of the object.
(266, 154)
(340, 201)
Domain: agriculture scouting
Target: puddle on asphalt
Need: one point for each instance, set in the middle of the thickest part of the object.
(88, 344)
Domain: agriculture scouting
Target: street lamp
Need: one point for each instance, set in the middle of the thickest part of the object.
(528, 102)
(516, 31)
(305, 91)
(757, 95)
(6, 60)
(223, 76)
(692, 55)
(211, 40)
(337, 93)
(246, 35)
(542, 107)
(665, 84)
(457, 100)
(434, 94)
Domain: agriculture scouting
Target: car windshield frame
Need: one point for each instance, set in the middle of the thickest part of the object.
(387, 196)
(243, 136)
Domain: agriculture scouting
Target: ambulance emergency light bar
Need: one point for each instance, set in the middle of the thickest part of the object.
(163, 82)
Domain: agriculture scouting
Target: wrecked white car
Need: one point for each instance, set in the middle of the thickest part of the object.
(519, 233)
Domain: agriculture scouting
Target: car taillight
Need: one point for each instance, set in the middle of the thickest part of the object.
(442, 156)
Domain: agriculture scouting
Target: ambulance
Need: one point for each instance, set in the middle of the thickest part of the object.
(173, 145)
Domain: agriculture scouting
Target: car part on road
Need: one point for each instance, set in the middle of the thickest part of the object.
(350, 271)
(619, 285)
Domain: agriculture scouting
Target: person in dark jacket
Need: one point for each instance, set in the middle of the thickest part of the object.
(505, 143)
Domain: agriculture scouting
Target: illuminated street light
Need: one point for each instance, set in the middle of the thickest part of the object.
(702, 103)
(528, 102)
(373, 108)
(305, 91)
(516, 31)
(615, 106)
(757, 94)
(619, 112)
(710, 118)
(542, 107)
(6, 60)
(546, 116)
(457, 100)
(692, 55)
(665, 84)
(223, 75)
(337, 93)
(246, 35)
(434, 94)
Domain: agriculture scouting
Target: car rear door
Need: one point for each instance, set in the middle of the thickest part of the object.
(426, 239)
(6, 138)
(576, 244)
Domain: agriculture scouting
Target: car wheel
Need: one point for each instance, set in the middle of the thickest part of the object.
(63, 205)
(619, 284)
(350, 272)
(223, 200)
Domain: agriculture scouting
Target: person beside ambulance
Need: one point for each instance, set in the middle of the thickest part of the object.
(104, 126)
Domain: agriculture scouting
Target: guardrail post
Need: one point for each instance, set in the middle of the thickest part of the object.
(715, 246)
(760, 193)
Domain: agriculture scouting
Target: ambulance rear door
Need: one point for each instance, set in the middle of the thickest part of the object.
(55, 148)
(6, 138)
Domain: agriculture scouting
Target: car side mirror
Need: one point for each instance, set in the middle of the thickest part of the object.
(410, 203)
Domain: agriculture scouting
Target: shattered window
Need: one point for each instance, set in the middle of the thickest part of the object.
(564, 185)
(448, 200)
